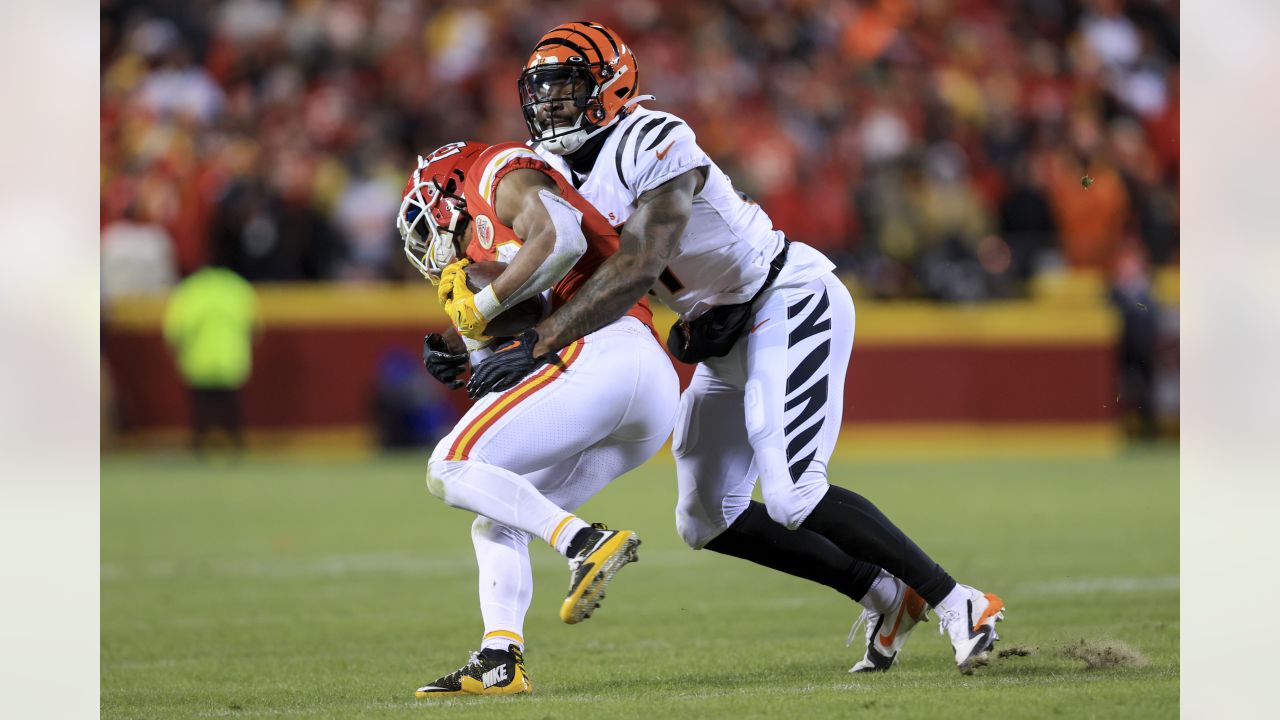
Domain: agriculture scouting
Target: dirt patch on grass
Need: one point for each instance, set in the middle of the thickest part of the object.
(1016, 651)
(1104, 654)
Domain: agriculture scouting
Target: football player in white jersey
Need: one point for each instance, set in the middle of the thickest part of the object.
(770, 326)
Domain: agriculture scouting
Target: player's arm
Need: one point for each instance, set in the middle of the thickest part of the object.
(646, 245)
(550, 230)
(552, 240)
(453, 342)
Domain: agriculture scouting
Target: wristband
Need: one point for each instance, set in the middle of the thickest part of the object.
(475, 345)
(487, 303)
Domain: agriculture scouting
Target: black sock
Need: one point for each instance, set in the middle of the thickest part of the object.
(756, 537)
(859, 528)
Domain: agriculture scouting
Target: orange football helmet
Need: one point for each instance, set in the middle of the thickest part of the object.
(580, 80)
(433, 214)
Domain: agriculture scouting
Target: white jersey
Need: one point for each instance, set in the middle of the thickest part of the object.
(724, 254)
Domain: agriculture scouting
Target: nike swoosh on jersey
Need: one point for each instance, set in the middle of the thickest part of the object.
(663, 152)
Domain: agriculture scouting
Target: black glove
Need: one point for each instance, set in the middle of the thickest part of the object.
(443, 364)
(508, 365)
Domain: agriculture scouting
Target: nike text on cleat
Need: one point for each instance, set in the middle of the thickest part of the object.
(488, 672)
(972, 631)
(593, 567)
(887, 632)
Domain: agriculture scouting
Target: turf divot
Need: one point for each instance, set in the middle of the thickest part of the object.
(1097, 654)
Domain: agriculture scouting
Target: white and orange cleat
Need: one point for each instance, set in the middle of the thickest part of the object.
(887, 632)
(972, 628)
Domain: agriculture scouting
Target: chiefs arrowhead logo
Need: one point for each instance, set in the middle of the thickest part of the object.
(484, 231)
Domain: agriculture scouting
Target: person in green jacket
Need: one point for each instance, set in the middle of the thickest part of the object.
(210, 323)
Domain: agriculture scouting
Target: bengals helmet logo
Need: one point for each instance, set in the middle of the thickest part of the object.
(583, 65)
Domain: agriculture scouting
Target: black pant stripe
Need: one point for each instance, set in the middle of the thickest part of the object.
(810, 325)
(814, 399)
(799, 466)
(794, 310)
(800, 441)
(808, 367)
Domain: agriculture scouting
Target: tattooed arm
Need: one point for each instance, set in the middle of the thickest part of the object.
(646, 245)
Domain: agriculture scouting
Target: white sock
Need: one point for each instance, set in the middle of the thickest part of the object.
(501, 640)
(564, 535)
(956, 599)
(506, 581)
(502, 495)
(883, 594)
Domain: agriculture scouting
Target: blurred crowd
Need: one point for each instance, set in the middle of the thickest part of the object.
(946, 149)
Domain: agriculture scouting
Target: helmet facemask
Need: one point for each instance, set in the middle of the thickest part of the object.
(432, 222)
(562, 103)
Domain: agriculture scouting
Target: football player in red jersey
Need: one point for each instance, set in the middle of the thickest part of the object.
(768, 324)
(524, 459)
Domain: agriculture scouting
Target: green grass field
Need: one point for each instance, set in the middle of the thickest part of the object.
(268, 588)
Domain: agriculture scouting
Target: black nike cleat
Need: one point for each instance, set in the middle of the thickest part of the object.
(593, 567)
(488, 672)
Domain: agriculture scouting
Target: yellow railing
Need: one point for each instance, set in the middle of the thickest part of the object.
(1066, 308)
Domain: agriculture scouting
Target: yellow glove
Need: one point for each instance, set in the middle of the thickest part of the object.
(471, 313)
(466, 316)
(453, 280)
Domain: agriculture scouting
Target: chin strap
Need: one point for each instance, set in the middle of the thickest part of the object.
(637, 99)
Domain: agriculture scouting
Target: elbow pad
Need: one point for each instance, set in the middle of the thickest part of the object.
(570, 245)
(568, 222)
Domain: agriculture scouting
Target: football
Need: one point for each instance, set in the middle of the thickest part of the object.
(514, 320)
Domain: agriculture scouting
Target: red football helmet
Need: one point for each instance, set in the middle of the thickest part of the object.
(433, 214)
(580, 80)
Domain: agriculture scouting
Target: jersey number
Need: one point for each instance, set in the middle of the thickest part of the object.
(442, 152)
(669, 279)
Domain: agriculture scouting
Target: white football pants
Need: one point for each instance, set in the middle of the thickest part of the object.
(526, 458)
(770, 409)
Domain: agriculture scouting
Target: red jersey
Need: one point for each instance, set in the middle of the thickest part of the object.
(491, 240)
